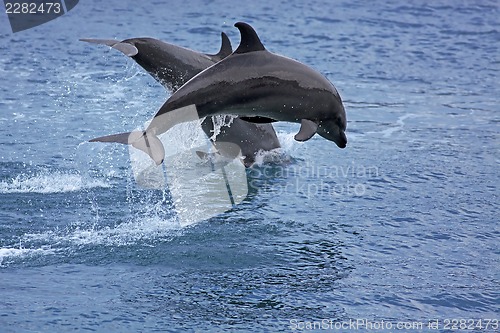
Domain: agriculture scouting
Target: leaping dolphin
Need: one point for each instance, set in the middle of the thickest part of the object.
(254, 83)
(169, 64)
(172, 66)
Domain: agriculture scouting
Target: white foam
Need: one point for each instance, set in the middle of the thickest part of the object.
(133, 232)
(10, 252)
(275, 156)
(143, 231)
(50, 182)
(287, 140)
(140, 230)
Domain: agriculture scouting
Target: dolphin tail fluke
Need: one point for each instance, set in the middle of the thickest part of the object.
(118, 138)
(126, 48)
(145, 141)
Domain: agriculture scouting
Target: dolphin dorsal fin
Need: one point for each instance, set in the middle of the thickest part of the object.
(250, 41)
(225, 49)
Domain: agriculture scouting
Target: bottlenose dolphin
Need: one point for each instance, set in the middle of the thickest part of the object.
(254, 83)
(169, 64)
(172, 66)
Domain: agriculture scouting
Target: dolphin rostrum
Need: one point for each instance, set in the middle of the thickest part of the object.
(172, 66)
(256, 84)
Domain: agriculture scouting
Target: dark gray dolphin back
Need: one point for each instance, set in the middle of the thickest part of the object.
(171, 65)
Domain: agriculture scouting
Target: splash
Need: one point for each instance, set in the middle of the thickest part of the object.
(219, 122)
(276, 156)
(11, 253)
(136, 231)
(50, 182)
(143, 231)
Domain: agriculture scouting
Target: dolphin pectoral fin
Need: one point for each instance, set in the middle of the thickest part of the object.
(126, 48)
(150, 144)
(258, 120)
(145, 141)
(307, 129)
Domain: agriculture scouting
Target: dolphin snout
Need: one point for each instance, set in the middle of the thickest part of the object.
(331, 131)
(342, 140)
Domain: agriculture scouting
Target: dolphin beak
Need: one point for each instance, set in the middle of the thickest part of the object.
(341, 141)
(336, 135)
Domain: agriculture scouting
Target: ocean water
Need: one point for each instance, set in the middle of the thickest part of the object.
(399, 228)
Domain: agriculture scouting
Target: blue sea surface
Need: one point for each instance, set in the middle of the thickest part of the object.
(400, 227)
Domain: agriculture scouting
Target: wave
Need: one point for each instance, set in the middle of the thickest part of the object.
(11, 252)
(50, 182)
(142, 230)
